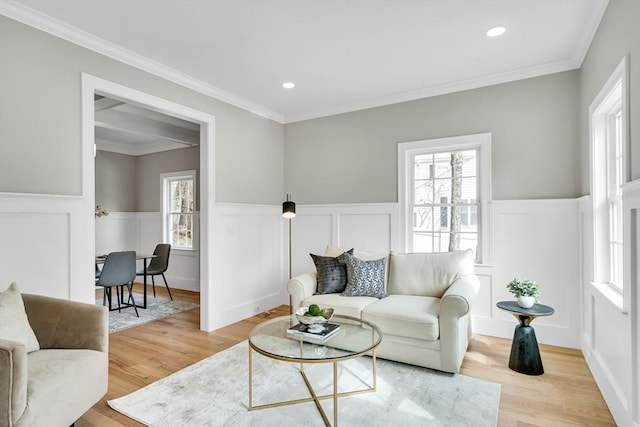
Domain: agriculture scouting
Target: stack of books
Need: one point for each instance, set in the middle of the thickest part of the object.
(317, 337)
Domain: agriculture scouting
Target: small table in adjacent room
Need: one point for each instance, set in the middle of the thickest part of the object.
(525, 354)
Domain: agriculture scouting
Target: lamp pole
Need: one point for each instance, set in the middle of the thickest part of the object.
(289, 211)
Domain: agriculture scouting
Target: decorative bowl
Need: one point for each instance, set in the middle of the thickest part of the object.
(313, 320)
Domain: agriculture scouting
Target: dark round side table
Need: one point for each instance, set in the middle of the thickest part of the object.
(525, 354)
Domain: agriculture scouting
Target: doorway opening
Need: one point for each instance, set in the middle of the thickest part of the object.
(94, 88)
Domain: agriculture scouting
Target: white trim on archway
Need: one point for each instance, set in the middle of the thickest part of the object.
(92, 85)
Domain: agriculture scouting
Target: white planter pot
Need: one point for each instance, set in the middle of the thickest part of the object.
(526, 301)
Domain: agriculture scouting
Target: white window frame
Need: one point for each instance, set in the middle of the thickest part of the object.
(165, 193)
(612, 99)
(406, 152)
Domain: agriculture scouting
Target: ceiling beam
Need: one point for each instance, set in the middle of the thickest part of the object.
(106, 103)
(123, 122)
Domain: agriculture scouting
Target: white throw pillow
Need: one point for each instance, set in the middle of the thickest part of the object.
(14, 325)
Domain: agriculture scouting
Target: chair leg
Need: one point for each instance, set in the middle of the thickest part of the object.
(153, 283)
(108, 294)
(130, 286)
(165, 283)
(118, 296)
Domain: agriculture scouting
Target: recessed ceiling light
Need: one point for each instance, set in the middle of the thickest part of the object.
(288, 85)
(496, 31)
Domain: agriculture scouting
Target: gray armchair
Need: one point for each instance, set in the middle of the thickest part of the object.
(56, 385)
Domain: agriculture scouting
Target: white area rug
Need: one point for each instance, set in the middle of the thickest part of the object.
(214, 392)
(157, 308)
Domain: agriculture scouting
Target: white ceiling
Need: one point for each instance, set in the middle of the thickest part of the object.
(343, 55)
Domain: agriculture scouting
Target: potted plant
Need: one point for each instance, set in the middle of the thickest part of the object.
(526, 292)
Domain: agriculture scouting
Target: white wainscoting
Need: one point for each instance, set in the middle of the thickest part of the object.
(42, 243)
(530, 239)
(368, 227)
(248, 260)
(141, 232)
(535, 240)
(610, 336)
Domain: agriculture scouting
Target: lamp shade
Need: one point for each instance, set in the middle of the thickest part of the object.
(288, 208)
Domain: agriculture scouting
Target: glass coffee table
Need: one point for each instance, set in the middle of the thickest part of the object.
(354, 339)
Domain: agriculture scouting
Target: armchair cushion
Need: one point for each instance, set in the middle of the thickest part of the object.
(14, 324)
(53, 396)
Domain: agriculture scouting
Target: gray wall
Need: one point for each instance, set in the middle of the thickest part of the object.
(617, 36)
(353, 157)
(40, 120)
(132, 183)
(116, 181)
(151, 166)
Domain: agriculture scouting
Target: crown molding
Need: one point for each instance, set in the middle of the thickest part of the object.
(35, 19)
(592, 23)
(443, 89)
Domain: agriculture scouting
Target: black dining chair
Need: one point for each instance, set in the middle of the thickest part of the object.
(119, 270)
(158, 265)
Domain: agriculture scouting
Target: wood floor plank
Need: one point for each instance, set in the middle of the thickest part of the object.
(566, 395)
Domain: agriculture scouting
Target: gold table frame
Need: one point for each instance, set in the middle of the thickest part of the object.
(302, 361)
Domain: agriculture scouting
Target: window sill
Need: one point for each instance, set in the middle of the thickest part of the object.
(613, 295)
(184, 252)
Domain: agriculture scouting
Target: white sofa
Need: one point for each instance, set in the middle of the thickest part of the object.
(425, 319)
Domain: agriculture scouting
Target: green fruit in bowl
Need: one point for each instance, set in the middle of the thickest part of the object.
(307, 314)
(315, 310)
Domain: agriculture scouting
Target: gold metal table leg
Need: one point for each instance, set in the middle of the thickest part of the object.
(314, 397)
(250, 380)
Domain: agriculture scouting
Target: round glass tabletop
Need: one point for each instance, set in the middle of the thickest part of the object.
(353, 338)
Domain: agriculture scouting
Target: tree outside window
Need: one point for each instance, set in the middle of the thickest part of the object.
(445, 201)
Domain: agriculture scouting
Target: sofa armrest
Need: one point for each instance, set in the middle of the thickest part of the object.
(301, 287)
(455, 311)
(13, 381)
(459, 297)
(60, 323)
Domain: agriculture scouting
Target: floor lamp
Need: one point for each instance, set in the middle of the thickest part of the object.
(289, 211)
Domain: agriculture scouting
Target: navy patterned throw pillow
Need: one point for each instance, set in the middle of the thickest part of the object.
(332, 273)
(365, 278)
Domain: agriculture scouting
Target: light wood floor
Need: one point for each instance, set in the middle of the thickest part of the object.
(566, 395)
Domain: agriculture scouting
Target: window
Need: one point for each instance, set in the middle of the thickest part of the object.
(179, 200)
(608, 173)
(615, 180)
(443, 192)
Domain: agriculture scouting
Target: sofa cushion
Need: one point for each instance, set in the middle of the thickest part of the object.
(332, 273)
(406, 316)
(427, 274)
(365, 278)
(344, 306)
(14, 325)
